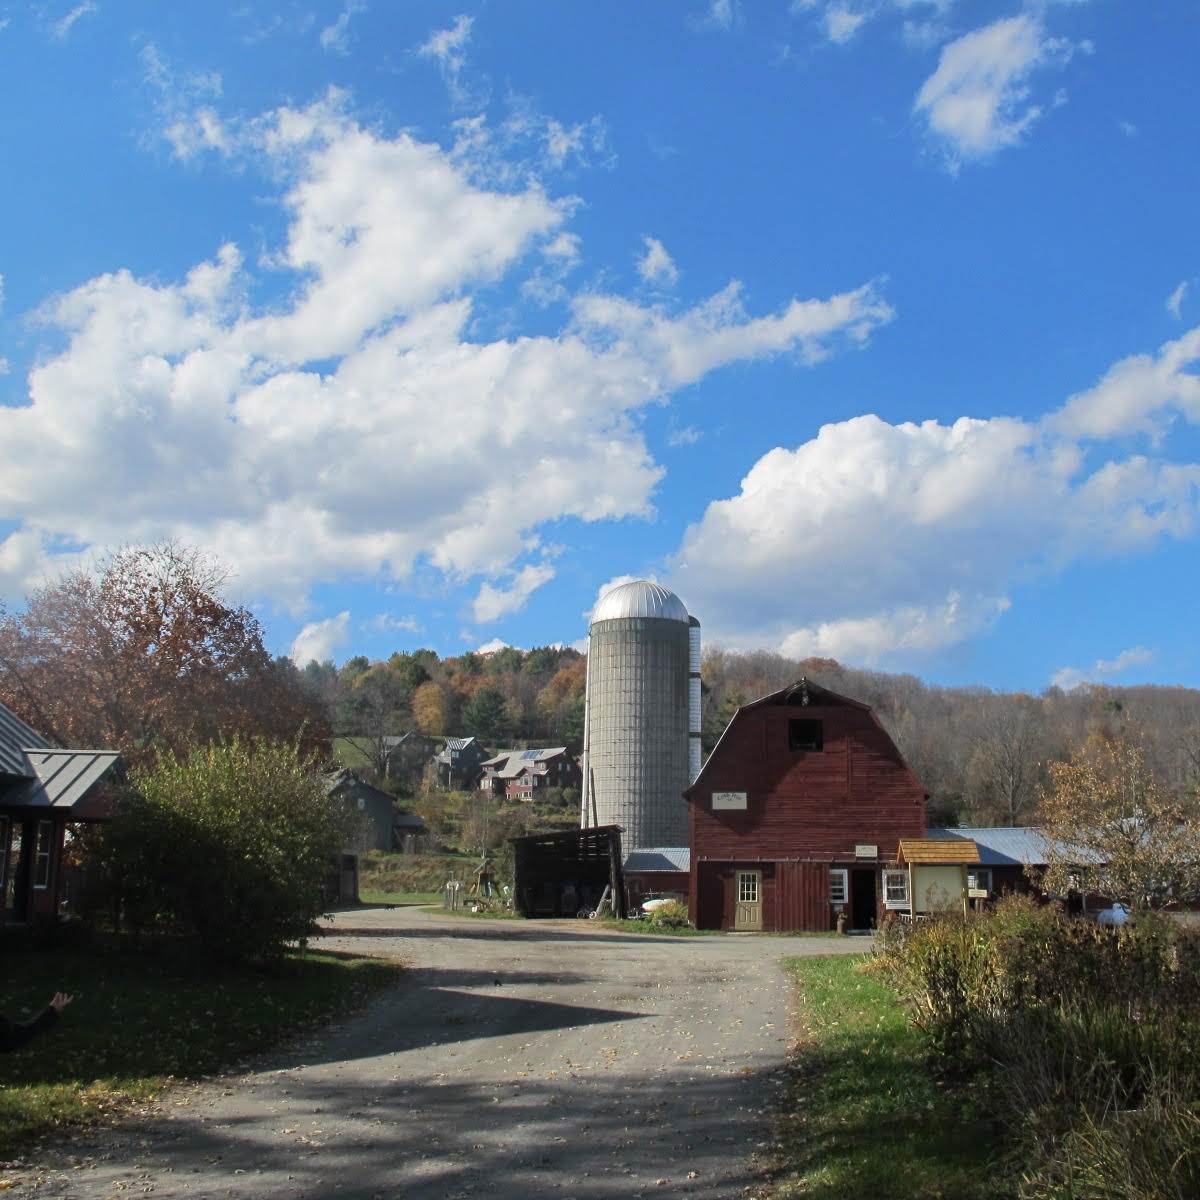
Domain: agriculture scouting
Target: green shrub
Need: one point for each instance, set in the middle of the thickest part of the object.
(672, 915)
(1085, 1041)
(229, 845)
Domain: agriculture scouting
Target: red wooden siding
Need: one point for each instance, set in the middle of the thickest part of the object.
(803, 897)
(806, 804)
(806, 810)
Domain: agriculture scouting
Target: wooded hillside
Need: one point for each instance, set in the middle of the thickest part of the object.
(982, 755)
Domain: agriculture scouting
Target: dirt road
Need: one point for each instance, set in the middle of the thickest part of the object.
(518, 1059)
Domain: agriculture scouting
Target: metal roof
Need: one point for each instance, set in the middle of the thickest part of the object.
(659, 858)
(641, 598)
(1013, 846)
(62, 777)
(15, 738)
(516, 761)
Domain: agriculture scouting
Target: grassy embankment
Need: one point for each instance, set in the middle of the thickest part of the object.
(140, 1021)
(387, 877)
(864, 1113)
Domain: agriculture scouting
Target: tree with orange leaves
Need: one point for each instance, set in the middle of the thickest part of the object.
(143, 653)
(1116, 830)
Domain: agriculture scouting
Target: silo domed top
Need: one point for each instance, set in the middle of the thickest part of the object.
(641, 598)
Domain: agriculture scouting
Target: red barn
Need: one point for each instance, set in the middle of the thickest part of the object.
(797, 814)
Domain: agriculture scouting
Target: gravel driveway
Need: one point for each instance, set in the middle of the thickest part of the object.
(518, 1059)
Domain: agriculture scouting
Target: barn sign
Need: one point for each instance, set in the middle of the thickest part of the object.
(735, 800)
(864, 851)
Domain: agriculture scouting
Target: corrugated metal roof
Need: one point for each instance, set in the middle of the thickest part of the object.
(15, 738)
(641, 598)
(659, 858)
(62, 777)
(937, 850)
(1014, 846)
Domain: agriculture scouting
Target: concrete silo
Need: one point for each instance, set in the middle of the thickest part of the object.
(642, 722)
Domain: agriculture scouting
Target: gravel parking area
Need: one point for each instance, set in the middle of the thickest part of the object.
(517, 1059)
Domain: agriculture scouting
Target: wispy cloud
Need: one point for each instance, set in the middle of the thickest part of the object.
(448, 48)
(336, 37)
(656, 265)
(61, 28)
(722, 15)
(1175, 300)
(1069, 678)
(390, 623)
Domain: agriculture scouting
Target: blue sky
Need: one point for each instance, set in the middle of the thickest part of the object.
(870, 326)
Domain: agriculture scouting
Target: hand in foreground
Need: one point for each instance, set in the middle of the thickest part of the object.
(60, 1001)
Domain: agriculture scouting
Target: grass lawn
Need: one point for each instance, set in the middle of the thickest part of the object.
(864, 1114)
(370, 897)
(138, 1021)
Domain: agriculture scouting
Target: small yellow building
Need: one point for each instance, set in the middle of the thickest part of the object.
(938, 874)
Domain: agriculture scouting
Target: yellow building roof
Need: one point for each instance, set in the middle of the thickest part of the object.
(930, 850)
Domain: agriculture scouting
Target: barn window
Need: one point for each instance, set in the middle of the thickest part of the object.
(980, 877)
(747, 887)
(895, 889)
(41, 862)
(837, 886)
(805, 734)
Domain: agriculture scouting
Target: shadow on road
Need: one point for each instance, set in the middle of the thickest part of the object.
(512, 1140)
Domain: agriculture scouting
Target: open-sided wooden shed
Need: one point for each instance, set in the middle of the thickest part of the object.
(562, 874)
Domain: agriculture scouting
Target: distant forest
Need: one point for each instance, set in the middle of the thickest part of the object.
(981, 755)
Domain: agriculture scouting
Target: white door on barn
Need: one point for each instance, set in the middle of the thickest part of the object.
(747, 909)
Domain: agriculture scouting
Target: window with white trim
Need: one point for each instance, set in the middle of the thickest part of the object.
(41, 858)
(980, 877)
(839, 887)
(895, 889)
(747, 887)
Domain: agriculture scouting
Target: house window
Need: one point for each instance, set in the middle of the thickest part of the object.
(838, 886)
(980, 877)
(41, 856)
(895, 889)
(805, 734)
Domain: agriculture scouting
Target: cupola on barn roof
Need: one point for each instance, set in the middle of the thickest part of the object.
(640, 598)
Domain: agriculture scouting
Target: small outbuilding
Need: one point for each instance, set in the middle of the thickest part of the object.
(564, 874)
(797, 813)
(43, 791)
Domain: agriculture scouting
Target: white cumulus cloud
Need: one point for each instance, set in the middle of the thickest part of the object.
(496, 601)
(271, 436)
(876, 541)
(978, 100)
(319, 639)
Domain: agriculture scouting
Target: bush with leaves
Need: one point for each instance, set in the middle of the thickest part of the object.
(1086, 1040)
(229, 845)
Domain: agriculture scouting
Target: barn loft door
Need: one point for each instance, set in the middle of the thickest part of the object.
(747, 911)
